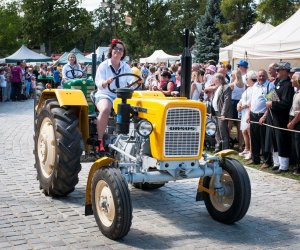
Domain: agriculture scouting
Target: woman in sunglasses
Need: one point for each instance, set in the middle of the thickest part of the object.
(104, 98)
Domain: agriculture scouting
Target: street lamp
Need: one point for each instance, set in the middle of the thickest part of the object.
(111, 5)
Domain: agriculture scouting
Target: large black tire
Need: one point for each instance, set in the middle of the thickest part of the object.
(111, 202)
(57, 149)
(234, 204)
(148, 186)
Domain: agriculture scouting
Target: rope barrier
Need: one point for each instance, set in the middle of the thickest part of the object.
(268, 125)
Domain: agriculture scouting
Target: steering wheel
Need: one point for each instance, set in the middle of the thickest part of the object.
(131, 85)
(71, 75)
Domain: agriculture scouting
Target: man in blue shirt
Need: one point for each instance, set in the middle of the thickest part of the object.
(258, 113)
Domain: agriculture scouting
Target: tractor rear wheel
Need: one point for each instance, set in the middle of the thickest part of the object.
(57, 148)
(234, 203)
(111, 202)
(38, 91)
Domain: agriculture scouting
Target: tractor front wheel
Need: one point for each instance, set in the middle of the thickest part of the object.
(233, 204)
(111, 202)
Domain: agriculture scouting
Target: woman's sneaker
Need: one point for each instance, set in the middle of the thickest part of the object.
(248, 156)
(243, 153)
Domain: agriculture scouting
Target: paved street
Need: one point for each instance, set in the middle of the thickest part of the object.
(168, 218)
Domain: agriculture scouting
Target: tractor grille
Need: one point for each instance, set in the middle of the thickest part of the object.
(183, 132)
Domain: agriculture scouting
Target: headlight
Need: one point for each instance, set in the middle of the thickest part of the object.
(144, 128)
(211, 128)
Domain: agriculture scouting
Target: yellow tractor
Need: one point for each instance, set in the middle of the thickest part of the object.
(150, 141)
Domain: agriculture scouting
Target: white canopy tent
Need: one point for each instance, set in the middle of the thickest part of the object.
(159, 56)
(25, 54)
(279, 43)
(101, 53)
(258, 29)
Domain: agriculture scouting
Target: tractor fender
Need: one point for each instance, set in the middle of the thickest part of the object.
(74, 98)
(65, 97)
(102, 162)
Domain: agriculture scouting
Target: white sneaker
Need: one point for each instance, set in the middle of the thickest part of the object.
(243, 153)
(248, 156)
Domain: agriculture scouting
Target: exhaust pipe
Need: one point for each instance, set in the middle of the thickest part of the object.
(186, 68)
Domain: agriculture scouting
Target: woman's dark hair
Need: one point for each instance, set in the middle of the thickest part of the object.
(202, 72)
(221, 78)
(114, 44)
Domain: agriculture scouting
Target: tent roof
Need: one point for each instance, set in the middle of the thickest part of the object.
(256, 30)
(80, 58)
(25, 54)
(99, 51)
(76, 51)
(282, 42)
(159, 56)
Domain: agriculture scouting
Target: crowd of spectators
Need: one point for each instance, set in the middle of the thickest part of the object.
(248, 100)
(245, 99)
(18, 82)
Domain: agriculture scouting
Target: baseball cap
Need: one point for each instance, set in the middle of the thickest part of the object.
(283, 65)
(295, 69)
(243, 64)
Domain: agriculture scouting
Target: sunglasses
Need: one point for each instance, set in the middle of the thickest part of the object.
(118, 49)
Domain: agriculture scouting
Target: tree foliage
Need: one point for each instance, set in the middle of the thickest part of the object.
(11, 36)
(156, 24)
(276, 11)
(239, 16)
(59, 24)
(207, 42)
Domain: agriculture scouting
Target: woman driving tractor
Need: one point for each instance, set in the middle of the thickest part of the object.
(104, 98)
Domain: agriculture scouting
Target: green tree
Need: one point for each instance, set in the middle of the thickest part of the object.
(276, 11)
(207, 42)
(11, 28)
(59, 24)
(239, 16)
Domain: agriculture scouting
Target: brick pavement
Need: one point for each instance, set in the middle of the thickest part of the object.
(167, 218)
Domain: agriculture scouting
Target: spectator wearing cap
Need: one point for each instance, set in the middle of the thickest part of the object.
(278, 116)
(243, 67)
(272, 72)
(258, 113)
(243, 107)
(294, 70)
(294, 122)
(166, 85)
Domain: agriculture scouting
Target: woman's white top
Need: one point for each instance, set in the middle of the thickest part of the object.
(245, 100)
(197, 91)
(237, 92)
(104, 72)
(67, 71)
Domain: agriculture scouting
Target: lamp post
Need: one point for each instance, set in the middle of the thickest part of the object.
(111, 5)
